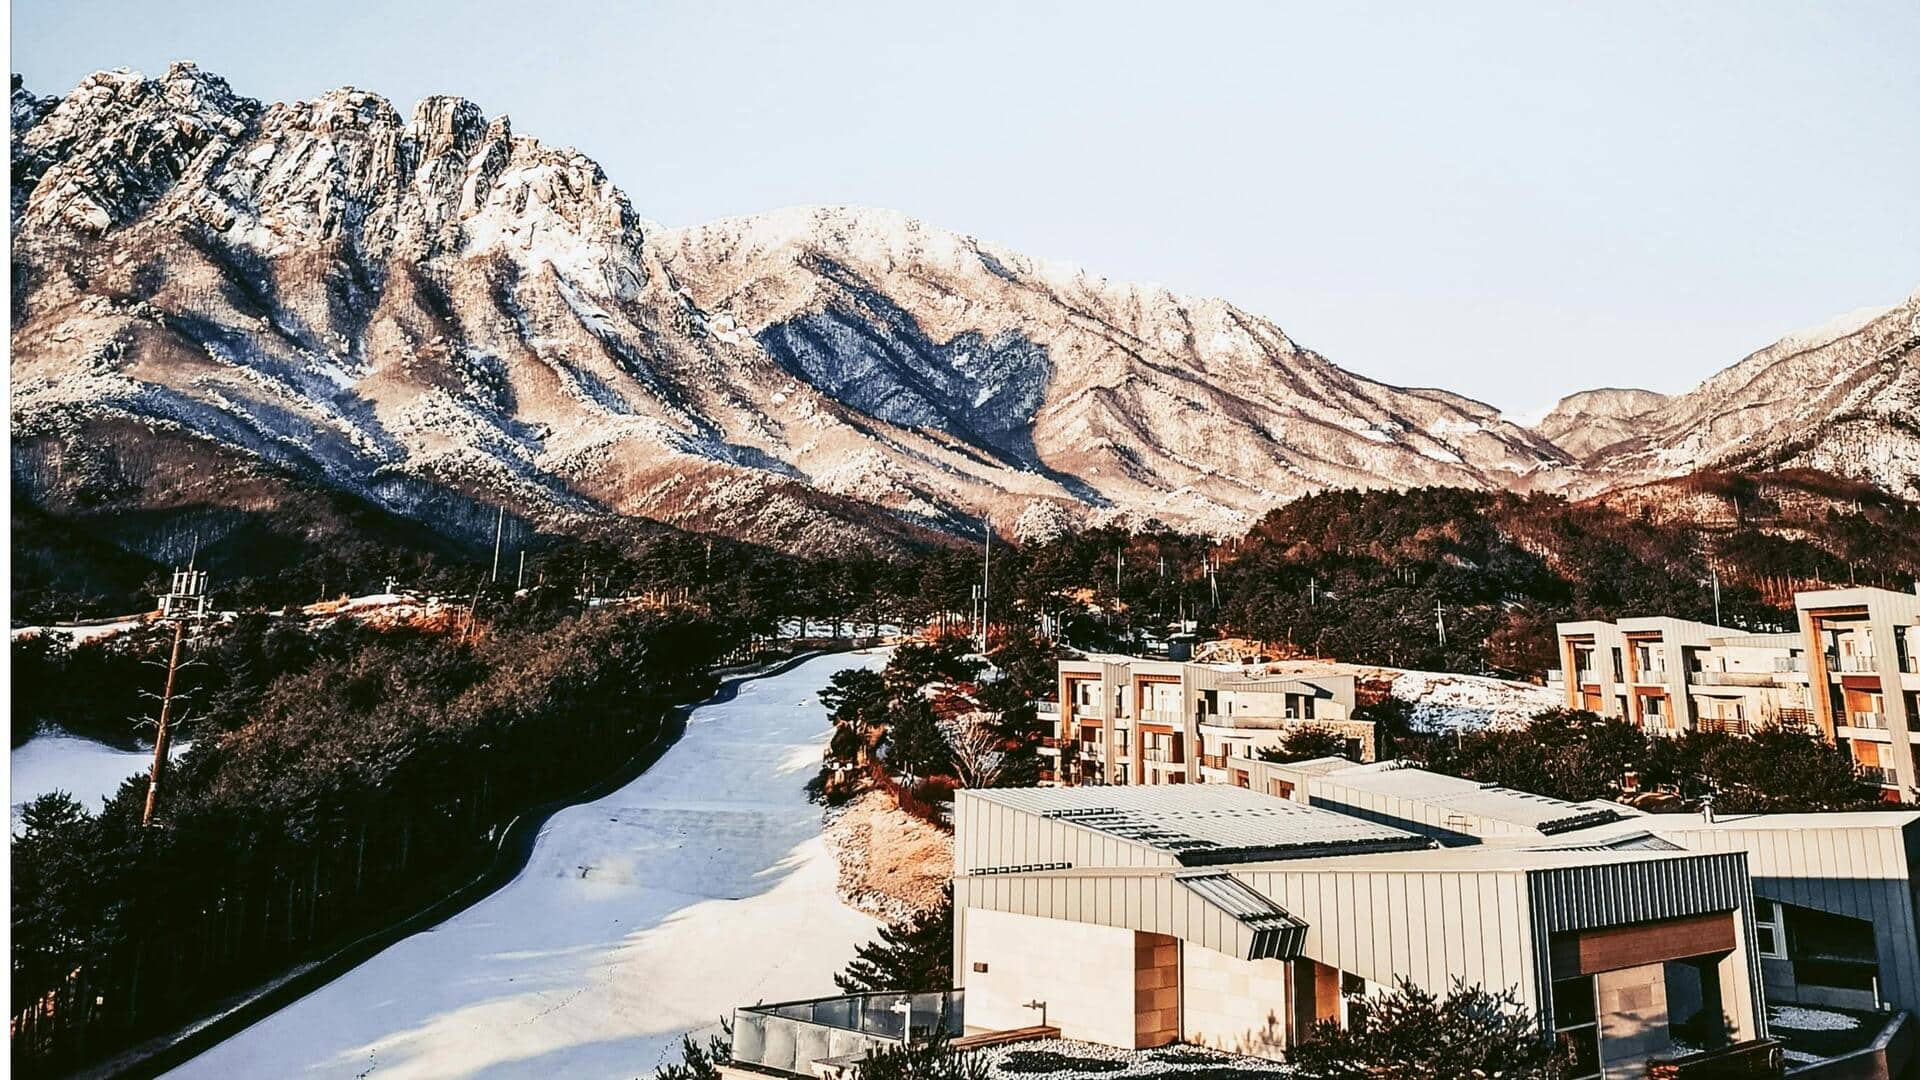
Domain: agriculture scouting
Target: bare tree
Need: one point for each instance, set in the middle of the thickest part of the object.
(978, 757)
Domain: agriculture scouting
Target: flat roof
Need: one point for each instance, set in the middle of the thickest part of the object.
(1206, 824)
(1492, 802)
(1838, 819)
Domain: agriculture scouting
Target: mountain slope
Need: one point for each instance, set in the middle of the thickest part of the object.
(1842, 398)
(415, 308)
(434, 314)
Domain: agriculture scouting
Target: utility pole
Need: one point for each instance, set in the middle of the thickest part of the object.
(499, 526)
(521, 579)
(185, 602)
(1716, 597)
(1440, 620)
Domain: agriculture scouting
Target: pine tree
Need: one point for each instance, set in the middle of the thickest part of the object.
(912, 956)
(916, 745)
(1412, 1034)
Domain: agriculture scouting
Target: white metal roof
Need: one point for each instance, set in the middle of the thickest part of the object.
(1489, 801)
(1205, 824)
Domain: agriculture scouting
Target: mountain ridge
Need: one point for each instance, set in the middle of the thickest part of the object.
(429, 309)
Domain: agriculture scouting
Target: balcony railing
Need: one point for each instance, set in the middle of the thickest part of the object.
(1170, 717)
(1047, 708)
(1731, 725)
(1878, 774)
(1651, 673)
(1213, 761)
(1875, 720)
(1587, 675)
(1853, 664)
(1789, 663)
(789, 1038)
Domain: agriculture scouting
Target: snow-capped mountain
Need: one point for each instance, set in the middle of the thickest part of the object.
(1842, 398)
(432, 312)
(388, 301)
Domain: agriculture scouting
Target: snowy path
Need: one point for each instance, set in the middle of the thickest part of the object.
(89, 771)
(702, 885)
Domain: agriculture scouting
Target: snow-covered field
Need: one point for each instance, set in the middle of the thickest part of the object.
(87, 770)
(702, 885)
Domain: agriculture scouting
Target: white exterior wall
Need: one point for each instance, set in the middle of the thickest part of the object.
(1083, 972)
(1240, 1006)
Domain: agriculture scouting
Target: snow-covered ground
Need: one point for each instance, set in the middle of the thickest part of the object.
(81, 633)
(89, 771)
(1443, 701)
(822, 628)
(702, 885)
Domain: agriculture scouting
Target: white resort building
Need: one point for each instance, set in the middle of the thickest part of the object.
(1236, 918)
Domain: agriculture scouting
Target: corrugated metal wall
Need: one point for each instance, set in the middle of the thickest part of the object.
(1864, 873)
(1428, 926)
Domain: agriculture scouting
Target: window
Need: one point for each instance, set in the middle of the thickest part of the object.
(1770, 929)
(1576, 1026)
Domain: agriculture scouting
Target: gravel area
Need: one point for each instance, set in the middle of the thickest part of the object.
(1064, 1059)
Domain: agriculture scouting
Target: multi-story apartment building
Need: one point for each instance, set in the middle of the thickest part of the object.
(1122, 720)
(1849, 672)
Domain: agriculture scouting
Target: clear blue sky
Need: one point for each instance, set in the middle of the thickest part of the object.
(1512, 200)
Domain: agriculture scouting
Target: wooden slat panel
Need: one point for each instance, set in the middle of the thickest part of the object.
(1586, 952)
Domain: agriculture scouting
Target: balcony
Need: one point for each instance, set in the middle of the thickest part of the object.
(1855, 664)
(1879, 774)
(1588, 677)
(1651, 673)
(1730, 725)
(1047, 708)
(1213, 761)
(1169, 717)
(1734, 678)
(1556, 676)
(1084, 711)
(1874, 720)
(1785, 664)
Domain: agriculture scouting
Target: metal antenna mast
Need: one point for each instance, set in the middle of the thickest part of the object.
(986, 580)
(186, 602)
